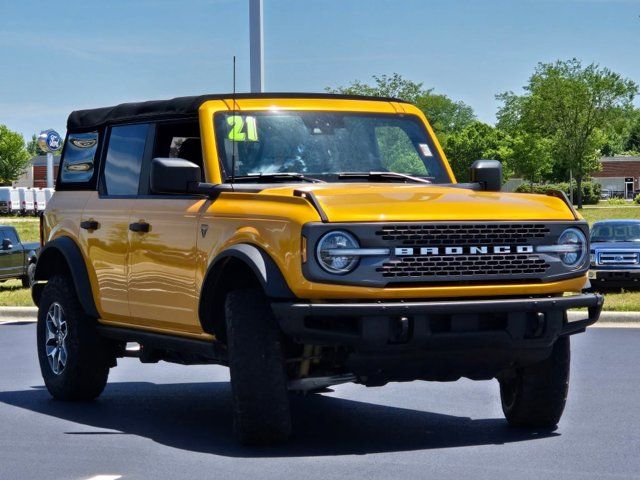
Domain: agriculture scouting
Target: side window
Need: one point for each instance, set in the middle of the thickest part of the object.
(11, 234)
(79, 158)
(174, 139)
(124, 159)
(179, 140)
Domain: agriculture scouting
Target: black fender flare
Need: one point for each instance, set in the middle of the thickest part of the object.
(66, 249)
(264, 269)
(262, 265)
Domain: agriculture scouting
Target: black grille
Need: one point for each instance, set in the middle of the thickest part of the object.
(460, 234)
(464, 265)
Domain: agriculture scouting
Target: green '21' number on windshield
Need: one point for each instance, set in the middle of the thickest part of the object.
(238, 132)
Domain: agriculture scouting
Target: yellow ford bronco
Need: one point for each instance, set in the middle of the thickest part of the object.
(303, 240)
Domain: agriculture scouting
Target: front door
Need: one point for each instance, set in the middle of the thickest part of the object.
(162, 239)
(162, 263)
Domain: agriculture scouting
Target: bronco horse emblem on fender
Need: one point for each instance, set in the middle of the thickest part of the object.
(203, 230)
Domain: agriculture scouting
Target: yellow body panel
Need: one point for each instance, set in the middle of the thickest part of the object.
(153, 280)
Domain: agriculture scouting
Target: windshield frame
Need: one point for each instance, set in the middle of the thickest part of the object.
(431, 142)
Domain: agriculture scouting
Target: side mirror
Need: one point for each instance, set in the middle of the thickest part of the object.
(173, 175)
(6, 244)
(488, 173)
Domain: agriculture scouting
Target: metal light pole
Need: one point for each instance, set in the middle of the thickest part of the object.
(256, 46)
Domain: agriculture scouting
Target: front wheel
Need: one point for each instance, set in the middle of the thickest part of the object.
(74, 360)
(258, 381)
(535, 396)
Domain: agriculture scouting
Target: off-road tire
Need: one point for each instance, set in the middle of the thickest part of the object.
(261, 412)
(27, 280)
(88, 357)
(536, 396)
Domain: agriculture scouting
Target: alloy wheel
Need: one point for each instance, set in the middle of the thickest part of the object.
(56, 341)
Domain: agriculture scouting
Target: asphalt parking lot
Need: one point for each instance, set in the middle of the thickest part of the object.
(168, 421)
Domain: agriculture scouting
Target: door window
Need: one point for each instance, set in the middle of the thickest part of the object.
(175, 139)
(124, 159)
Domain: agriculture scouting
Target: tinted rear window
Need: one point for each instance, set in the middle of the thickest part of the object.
(124, 159)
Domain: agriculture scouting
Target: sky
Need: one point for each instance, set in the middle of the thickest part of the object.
(60, 56)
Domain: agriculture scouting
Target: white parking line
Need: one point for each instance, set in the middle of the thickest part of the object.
(105, 477)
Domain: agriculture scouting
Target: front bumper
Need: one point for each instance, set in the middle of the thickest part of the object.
(615, 277)
(440, 340)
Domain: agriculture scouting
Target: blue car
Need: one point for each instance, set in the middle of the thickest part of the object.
(615, 254)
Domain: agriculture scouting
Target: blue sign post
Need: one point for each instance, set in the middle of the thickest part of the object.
(50, 141)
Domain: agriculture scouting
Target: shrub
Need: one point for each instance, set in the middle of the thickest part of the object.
(590, 190)
(616, 201)
(636, 200)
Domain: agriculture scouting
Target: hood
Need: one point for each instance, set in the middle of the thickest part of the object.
(615, 246)
(383, 202)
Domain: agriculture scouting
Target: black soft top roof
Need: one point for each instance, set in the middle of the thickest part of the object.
(180, 107)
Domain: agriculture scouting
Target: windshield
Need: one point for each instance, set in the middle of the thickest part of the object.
(616, 232)
(323, 145)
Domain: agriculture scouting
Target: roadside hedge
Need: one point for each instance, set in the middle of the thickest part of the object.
(590, 190)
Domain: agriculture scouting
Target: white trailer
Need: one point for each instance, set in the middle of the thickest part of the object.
(9, 200)
(26, 200)
(48, 193)
(40, 200)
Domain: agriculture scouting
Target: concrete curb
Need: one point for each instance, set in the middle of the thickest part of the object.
(17, 312)
(610, 317)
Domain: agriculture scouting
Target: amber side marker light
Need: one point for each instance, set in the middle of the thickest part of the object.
(303, 249)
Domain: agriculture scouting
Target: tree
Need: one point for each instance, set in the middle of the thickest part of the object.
(475, 141)
(14, 158)
(572, 106)
(529, 156)
(444, 114)
(632, 143)
(33, 148)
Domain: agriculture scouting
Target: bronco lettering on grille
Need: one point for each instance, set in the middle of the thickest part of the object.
(465, 250)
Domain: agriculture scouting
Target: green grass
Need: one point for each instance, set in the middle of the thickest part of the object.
(622, 301)
(13, 295)
(607, 212)
(28, 227)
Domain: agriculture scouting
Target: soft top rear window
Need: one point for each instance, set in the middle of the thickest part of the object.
(78, 166)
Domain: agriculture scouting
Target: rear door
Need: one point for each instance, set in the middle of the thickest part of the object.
(162, 260)
(105, 219)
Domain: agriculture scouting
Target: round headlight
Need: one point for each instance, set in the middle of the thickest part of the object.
(333, 252)
(576, 247)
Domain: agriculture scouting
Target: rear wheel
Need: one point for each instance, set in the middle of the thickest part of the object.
(536, 395)
(74, 360)
(27, 280)
(258, 381)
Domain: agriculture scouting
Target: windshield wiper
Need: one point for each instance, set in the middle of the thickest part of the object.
(276, 177)
(391, 176)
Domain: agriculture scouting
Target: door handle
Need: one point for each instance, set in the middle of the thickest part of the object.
(141, 227)
(89, 225)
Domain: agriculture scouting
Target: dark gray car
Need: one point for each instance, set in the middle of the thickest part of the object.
(17, 259)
